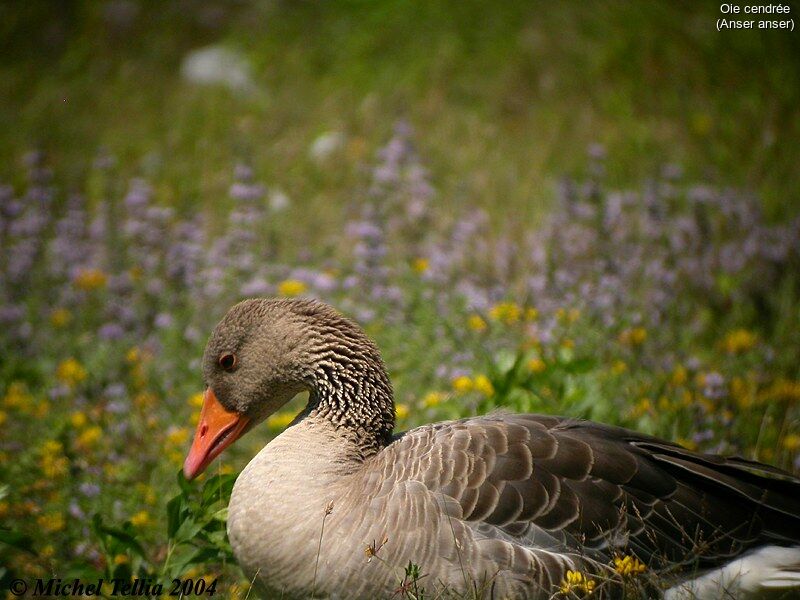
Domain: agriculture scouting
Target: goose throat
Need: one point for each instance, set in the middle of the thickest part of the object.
(351, 389)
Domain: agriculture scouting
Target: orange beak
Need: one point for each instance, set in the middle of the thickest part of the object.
(218, 428)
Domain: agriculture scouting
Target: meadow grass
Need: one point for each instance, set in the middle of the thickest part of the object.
(505, 99)
(645, 289)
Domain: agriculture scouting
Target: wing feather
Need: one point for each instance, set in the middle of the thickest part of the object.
(527, 497)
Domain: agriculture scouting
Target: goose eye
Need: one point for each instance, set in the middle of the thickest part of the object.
(228, 362)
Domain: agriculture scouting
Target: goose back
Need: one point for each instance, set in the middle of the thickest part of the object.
(509, 504)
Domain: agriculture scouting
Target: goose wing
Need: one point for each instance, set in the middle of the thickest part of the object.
(594, 491)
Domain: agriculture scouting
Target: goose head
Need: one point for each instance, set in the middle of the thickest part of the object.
(264, 352)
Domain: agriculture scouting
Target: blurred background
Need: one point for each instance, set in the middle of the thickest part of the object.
(503, 99)
(582, 208)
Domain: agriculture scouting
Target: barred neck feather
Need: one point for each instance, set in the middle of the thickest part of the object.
(346, 377)
(350, 388)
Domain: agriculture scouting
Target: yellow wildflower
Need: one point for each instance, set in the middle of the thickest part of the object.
(792, 442)
(42, 408)
(641, 408)
(701, 123)
(628, 565)
(531, 314)
(505, 312)
(280, 420)
(60, 317)
(679, 376)
(537, 365)
(463, 384)
(707, 405)
(356, 149)
(196, 400)
(782, 390)
(568, 343)
(54, 466)
(577, 583)
(18, 397)
(194, 419)
(90, 279)
(71, 372)
(51, 522)
(89, 437)
(432, 399)
(145, 400)
(476, 323)
(420, 265)
(742, 392)
(78, 419)
(483, 385)
(401, 410)
(573, 315)
(239, 590)
(48, 551)
(141, 518)
(177, 436)
(147, 492)
(738, 341)
(52, 447)
(121, 559)
(134, 355)
(4, 506)
(175, 456)
(3, 417)
(633, 337)
(136, 272)
(618, 367)
(291, 287)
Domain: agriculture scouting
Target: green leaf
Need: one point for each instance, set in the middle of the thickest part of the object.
(123, 572)
(17, 540)
(184, 484)
(187, 530)
(220, 540)
(218, 489)
(221, 515)
(124, 538)
(175, 514)
(193, 556)
(580, 365)
(505, 360)
(565, 355)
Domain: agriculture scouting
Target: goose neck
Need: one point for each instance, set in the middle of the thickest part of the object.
(355, 395)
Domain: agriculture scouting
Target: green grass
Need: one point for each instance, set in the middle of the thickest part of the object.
(505, 98)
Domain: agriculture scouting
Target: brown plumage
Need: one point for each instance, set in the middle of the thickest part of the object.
(503, 504)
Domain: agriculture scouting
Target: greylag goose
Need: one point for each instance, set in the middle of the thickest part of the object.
(500, 506)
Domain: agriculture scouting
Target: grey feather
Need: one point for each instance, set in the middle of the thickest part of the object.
(509, 501)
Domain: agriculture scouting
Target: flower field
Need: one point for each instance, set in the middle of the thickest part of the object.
(501, 258)
(670, 309)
